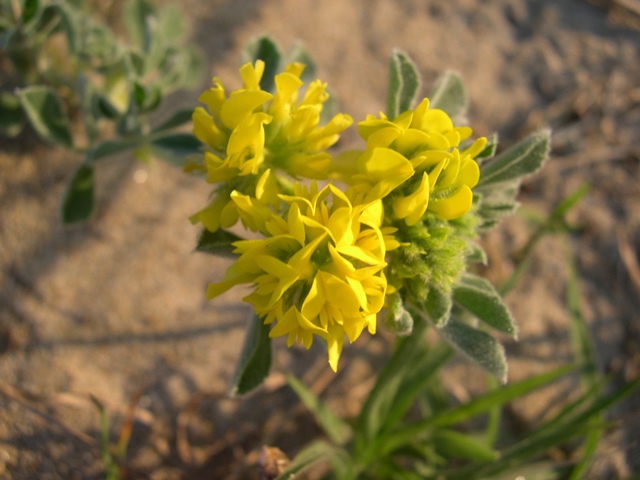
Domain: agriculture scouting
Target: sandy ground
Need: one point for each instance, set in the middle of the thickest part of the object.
(116, 308)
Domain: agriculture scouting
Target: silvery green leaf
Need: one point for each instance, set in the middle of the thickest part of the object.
(520, 160)
(77, 203)
(478, 296)
(138, 15)
(478, 346)
(449, 95)
(44, 110)
(489, 149)
(404, 84)
(255, 359)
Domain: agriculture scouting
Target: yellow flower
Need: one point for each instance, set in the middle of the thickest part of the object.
(251, 131)
(416, 160)
(319, 271)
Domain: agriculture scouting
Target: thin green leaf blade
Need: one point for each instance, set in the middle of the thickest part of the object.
(77, 203)
(478, 296)
(315, 452)
(478, 346)
(479, 405)
(449, 95)
(255, 359)
(337, 430)
(44, 110)
(219, 243)
(521, 160)
(457, 445)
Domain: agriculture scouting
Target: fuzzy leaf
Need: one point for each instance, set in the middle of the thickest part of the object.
(404, 83)
(77, 203)
(43, 108)
(61, 12)
(477, 345)
(11, 115)
(255, 359)
(438, 306)
(137, 16)
(479, 297)
(175, 148)
(449, 95)
(217, 243)
(337, 430)
(265, 49)
(522, 159)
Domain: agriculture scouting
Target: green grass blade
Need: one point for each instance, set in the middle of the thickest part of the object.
(337, 430)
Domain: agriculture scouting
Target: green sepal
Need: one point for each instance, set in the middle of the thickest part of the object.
(449, 94)
(404, 84)
(43, 108)
(478, 346)
(219, 243)
(265, 49)
(77, 203)
(255, 359)
(12, 117)
(489, 149)
(479, 297)
(438, 306)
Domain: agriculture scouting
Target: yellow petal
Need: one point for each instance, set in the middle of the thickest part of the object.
(454, 206)
(240, 105)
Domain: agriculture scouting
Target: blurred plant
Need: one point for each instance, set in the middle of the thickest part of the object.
(78, 86)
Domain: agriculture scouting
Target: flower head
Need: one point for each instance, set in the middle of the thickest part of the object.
(251, 131)
(415, 161)
(319, 271)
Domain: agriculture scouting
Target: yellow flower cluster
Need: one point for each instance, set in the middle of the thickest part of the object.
(415, 161)
(252, 130)
(319, 271)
